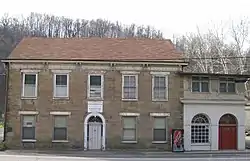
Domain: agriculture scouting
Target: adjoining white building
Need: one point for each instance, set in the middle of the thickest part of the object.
(214, 112)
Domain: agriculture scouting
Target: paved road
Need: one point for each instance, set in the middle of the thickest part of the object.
(63, 158)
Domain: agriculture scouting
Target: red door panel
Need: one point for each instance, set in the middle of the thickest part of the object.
(227, 137)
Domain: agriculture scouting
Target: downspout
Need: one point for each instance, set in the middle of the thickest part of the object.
(6, 99)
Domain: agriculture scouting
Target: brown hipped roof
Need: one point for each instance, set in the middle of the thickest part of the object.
(124, 49)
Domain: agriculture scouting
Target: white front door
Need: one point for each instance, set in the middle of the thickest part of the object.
(95, 136)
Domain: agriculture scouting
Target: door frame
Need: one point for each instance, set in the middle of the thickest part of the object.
(86, 130)
(97, 137)
(221, 125)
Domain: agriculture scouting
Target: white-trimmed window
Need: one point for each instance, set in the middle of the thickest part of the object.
(200, 129)
(200, 84)
(95, 86)
(160, 129)
(129, 128)
(28, 127)
(160, 87)
(30, 82)
(61, 85)
(227, 85)
(60, 128)
(130, 87)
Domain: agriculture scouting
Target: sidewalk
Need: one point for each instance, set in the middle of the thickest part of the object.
(123, 153)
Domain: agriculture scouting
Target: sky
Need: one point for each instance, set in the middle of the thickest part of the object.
(170, 16)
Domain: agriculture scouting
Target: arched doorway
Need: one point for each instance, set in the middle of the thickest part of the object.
(94, 132)
(228, 132)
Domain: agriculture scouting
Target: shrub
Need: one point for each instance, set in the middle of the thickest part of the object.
(1, 124)
(3, 146)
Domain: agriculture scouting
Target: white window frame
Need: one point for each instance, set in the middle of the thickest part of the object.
(54, 84)
(200, 81)
(199, 125)
(102, 85)
(166, 129)
(66, 127)
(135, 74)
(160, 74)
(22, 126)
(136, 129)
(23, 86)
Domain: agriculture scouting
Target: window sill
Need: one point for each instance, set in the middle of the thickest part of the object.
(60, 141)
(95, 99)
(201, 92)
(60, 98)
(159, 100)
(129, 142)
(227, 93)
(200, 144)
(128, 100)
(28, 140)
(28, 98)
(159, 142)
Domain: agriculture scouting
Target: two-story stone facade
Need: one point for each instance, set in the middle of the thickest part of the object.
(214, 111)
(93, 93)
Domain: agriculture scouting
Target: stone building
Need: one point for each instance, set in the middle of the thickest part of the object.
(93, 93)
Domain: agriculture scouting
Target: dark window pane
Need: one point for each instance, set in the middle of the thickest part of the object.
(30, 79)
(204, 78)
(195, 86)
(159, 135)
(204, 87)
(223, 87)
(60, 133)
(28, 133)
(196, 78)
(231, 87)
(95, 80)
(61, 80)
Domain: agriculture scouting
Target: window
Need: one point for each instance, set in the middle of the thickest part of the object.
(61, 85)
(227, 85)
(29, 127)
(60, 128)
(160, 87)
(29, 85)
(160, 131)
(200, 84)
(95, 86)
(129, 129)
(130, 89)
(200, 129)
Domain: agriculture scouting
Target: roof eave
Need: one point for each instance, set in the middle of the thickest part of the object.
(165, 62)
(214, 74)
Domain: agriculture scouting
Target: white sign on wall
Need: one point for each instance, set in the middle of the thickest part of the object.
(95, 106)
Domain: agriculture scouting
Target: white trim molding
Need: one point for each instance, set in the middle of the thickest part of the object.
(23, 84)
(130, 72)
(60, 113)
(214, 101)
(60, 141)
(129, 114)
(86, 129)
(55, 86)
(30, 71)
(136, 86)
(160, 114)
(28, 112)
(160, 74)
(61, 71)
